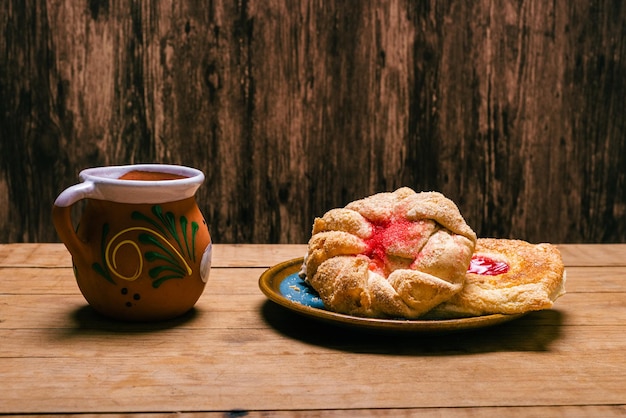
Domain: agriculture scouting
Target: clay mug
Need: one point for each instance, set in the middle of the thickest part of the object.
(142, 249)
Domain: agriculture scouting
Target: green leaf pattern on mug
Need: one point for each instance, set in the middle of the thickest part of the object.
(172, 259)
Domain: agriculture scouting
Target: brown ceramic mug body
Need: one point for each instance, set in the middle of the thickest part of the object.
(142, 249)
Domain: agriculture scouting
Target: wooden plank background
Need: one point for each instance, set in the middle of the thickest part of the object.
(514, 109)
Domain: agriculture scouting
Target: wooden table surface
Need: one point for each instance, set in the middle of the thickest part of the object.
(239, 354)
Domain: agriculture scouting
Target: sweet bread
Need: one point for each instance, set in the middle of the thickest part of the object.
(507, 277)
(395, 254)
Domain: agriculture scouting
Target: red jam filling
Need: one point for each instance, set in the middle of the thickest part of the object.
(487, 266)
(385, 234)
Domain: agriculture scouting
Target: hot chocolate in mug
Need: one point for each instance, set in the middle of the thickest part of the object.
(142, 249)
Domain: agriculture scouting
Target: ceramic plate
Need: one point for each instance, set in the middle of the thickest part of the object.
(282, 285)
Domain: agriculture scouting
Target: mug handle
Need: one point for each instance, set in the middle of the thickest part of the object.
(62, 215)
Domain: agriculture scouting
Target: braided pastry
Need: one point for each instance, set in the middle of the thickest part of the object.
(396, 254)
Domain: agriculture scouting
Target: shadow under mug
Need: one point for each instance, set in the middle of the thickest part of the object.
(142, 249)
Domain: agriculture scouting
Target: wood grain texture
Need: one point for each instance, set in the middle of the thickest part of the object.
(238, 353)
(513, 109)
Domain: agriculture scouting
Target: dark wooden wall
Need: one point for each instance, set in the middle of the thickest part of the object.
(514, 109)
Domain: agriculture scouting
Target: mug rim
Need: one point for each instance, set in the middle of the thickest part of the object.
(103, 183)
(111, 174)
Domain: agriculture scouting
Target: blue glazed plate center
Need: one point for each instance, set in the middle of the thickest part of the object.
(295, 289)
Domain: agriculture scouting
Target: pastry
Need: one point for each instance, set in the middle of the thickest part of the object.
(393, 254)
(507, 277)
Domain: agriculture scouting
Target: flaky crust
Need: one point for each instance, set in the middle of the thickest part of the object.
(394, 254)
(535, 279)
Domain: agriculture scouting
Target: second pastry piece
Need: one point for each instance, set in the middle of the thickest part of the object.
(507, 277)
